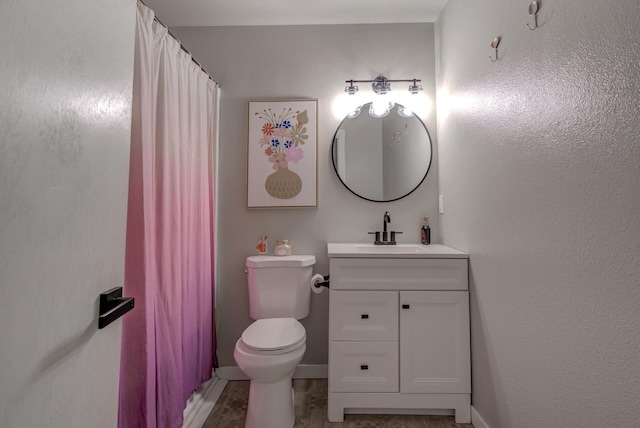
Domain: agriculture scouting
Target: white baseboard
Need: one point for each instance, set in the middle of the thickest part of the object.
(395, 411)
(303, 371)
(202, 401)
(311, 371)
(477, 420)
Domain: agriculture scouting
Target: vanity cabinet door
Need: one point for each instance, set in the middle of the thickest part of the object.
(434, 342)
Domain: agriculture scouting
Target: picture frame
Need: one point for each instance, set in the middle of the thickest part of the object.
(282, 154)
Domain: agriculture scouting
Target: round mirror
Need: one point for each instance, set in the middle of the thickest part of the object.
(381, 159)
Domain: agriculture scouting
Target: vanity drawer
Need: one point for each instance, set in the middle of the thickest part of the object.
(398, 274)
(363, 367)
(355, 315)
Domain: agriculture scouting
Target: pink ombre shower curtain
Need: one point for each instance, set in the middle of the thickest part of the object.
(169, 338)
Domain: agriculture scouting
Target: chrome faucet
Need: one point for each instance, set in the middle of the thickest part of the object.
(388, 238)
(386, 219)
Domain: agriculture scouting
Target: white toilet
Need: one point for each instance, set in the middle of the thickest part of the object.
(270, 349)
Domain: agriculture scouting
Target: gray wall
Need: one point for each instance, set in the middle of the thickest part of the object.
(540, 169)
(65, 117)
(254, 63)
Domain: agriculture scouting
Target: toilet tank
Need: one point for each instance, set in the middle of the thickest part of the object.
(279, 286)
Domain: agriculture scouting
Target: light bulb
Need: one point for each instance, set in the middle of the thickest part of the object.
(405, 111)
(355, 113)
(380, 108)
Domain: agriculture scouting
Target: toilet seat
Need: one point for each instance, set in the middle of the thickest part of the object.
(273, 336)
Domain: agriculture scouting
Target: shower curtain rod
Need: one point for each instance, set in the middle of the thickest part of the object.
(155, 18)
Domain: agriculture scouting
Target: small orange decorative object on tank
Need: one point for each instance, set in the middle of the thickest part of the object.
(262, 245)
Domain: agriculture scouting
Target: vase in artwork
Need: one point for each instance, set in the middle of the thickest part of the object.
(283, 184)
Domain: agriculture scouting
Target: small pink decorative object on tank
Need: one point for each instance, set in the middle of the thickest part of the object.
(282, 248)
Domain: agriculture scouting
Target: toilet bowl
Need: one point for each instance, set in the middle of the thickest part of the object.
(268, 352)
(271, 348)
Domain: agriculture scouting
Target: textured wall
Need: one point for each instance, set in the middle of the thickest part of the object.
(65, 102)
(254, 63)
(540, 168)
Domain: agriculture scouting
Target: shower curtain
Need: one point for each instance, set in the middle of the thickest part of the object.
(168, 341)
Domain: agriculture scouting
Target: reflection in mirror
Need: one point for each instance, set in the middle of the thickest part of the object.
(381, 159)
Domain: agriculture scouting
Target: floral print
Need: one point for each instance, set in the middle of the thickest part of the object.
(294, 154)
(278, 161)
(299, 134)
(265, 140)
(283, 133)
(267, 129)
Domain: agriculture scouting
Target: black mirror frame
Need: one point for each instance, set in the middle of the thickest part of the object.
(333, 161)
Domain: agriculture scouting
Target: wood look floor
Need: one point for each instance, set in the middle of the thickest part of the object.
(311, 410)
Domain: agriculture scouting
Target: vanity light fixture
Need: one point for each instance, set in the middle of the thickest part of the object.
(351, 90)
(382, 86)
(415, 88)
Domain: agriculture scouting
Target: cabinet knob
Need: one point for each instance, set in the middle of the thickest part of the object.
(404, 306)
(364, 316)
(364, 367)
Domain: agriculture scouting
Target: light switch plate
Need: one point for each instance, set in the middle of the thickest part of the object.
(441, 204)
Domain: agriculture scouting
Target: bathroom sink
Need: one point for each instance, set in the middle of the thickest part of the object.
(369, 250)
(394, 249)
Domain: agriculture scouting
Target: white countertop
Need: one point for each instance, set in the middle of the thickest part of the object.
(400, 251)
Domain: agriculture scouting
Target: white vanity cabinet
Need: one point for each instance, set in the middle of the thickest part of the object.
(399, 334)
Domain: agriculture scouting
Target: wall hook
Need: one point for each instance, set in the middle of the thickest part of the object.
(533, 11)
(494, 45)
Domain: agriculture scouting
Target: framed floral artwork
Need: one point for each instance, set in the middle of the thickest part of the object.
(282, 154)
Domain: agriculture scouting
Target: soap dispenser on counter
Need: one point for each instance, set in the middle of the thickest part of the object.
(425, 231)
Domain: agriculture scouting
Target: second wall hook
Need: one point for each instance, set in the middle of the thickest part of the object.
(494, 45)
(533, 11)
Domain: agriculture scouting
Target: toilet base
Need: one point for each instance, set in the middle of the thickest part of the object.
(277, 411)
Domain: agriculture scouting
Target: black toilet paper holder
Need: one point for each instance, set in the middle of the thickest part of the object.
(325, 282)
(113, 306)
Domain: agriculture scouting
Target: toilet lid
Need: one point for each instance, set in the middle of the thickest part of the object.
(280, 261)
(271, 334)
